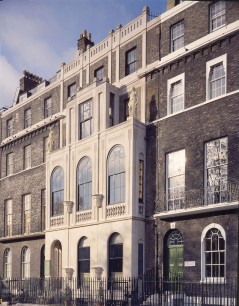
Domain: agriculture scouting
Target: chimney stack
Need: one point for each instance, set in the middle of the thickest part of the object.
(84, 41)
(29, 81)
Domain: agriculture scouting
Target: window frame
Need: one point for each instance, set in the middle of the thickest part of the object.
(9, 164)
(71, 90)
(116, 176)
(220, 15)
(115, 246)
(131, 63)
(8, 217)
(7, 263)
(170, 83)
(27, 118)
(225, 165)
(60, 190)
(26, 213)
(179, 39)
(27, 157)
(25, 262)
(10, 127)
(83, 245)
(82, 183)
(99, 74)
(203, 260)
(84, 121)
(209, 65)
(48, 107)
(175, 176)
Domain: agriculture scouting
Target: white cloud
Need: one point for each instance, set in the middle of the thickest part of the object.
(26, 36)
(9, 81)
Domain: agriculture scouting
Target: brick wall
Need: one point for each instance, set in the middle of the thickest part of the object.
(137, 42)
(191, 229)
(153, 45)
(16, 247)
(37, 111)
(199, 12)
(36, 141)
(74, 79)
(103, 62)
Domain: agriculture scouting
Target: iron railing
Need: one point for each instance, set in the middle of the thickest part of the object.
(149, 289)
(188, 199)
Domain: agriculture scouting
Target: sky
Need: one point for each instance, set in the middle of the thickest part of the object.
(39, 35)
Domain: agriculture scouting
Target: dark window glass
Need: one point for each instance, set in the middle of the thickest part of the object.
(57, 191)
(131, 61)
(86, 119)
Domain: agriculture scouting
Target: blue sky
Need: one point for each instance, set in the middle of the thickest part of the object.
(38, 35)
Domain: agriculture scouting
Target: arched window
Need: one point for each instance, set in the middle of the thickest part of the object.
(57, 191)
(7, 263)
(174, 255)
(214, 252)
(25, 262)
(115, 255)
(56, 259)
(83, 259)
(84, 184)
(116, 175)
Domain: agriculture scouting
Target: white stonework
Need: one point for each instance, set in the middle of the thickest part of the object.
(102, 220)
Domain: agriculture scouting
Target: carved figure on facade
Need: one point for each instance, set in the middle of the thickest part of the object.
(133, 101)
(50, 143)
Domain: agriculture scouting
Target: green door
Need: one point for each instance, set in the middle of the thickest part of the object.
(174, 255)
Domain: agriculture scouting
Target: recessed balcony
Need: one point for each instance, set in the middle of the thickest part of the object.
(191, 202)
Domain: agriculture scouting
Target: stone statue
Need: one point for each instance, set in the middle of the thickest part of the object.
(50, 142)
(133, 101)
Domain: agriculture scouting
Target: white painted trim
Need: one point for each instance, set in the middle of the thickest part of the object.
(208, 39)
(180, 77)
(195, 106)
(205, 230)
(177, 9)
(196, 210)
(221, 59)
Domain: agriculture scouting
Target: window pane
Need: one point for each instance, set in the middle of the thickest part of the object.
(84, 182)
(175, 179)
(177, 36)
(214, 257)
(116, 178)
(216, 162)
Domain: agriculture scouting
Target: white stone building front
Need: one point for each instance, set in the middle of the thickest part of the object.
(95, 182)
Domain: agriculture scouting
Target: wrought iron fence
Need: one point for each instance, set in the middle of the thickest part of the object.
(149, 289)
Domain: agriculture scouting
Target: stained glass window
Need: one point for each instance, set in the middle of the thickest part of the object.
(216, 164)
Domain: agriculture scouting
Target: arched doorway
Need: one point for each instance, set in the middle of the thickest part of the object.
(56, 259)
(173, 255)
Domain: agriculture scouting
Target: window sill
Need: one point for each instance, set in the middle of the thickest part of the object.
(213, 280)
